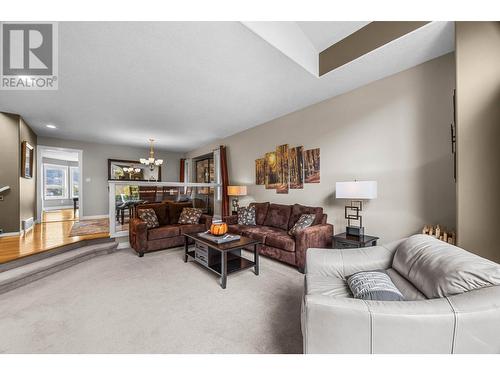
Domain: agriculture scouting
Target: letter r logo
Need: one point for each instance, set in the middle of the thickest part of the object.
(27, 49)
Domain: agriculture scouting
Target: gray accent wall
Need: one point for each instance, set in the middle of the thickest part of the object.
(395, 131)
(27, 186)
(9, 172)
(95, 168)
(19, 203)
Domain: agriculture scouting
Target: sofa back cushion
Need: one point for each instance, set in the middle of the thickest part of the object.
(439, 269)
(260, 211)
(175, 209)
(161, 211)
(278, 216)
(298, 210)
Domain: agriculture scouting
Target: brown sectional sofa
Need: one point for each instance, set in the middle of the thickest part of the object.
(169, 233)
(273, 223)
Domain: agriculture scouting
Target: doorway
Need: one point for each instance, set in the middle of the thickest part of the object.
(59, 186)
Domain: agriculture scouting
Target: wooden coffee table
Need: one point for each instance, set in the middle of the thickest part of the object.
(222, 259)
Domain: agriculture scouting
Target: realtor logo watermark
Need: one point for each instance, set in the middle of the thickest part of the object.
(28, 59)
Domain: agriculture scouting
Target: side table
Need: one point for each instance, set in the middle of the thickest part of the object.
(345, 241)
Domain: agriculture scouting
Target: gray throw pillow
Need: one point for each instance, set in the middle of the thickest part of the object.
(246, 215)
(305, 221)
(374, 285)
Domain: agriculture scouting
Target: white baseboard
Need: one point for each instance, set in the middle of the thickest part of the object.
(30, 222)
(10, 234)
(94, 217)
(56, 208)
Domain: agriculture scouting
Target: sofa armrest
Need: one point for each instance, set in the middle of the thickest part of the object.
(138, 235)
(425, 326)
(231, 219)
(342, 263)
(335, 325)
(207, 220)
(319, 236)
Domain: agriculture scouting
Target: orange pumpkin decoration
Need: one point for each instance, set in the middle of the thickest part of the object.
(218, 229)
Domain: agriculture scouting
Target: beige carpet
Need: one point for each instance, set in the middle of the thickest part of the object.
(86, 227)
(120, 303)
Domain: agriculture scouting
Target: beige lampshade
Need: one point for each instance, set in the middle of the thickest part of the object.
(236, 191)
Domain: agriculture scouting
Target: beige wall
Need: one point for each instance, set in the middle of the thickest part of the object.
(20, 202)
(27, 186)
(395, 131)
(95, 168)
(9, 171)
(478, 136)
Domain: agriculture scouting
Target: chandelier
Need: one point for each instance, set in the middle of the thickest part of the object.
(131, 171)
(151, 161)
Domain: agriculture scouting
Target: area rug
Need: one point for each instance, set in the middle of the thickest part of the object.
(86, 227)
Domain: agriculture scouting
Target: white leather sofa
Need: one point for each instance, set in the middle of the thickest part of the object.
(452, 300)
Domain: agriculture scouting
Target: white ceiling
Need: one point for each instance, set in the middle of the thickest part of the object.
(60, 154)
(189, 83)
(323, 34)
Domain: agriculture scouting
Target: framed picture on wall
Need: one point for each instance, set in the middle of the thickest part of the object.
(26, 160)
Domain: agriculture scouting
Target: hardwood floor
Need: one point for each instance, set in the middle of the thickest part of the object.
(59, 215)
(43, 237)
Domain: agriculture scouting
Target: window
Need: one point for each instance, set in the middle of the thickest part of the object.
(74, 173)
(55, 181)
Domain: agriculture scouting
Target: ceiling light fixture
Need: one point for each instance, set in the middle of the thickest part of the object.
(50, 126)
(151, 161)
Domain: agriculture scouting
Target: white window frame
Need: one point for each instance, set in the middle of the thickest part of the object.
(72, 170)
(65, 181)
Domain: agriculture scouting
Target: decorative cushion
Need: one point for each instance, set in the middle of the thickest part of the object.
(304, 221)
(373, 285)
(149, 216)
(246, 216)
(175, 209)
(260, 211)
(190, 215)
(161, 211)
(278, 216)
(438, 269)
(298, 210)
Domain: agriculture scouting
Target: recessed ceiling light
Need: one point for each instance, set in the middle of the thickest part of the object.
(50, 126)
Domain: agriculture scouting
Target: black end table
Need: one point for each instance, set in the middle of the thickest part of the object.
(345, 241)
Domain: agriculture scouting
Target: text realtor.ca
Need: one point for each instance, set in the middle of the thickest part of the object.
(29, 56)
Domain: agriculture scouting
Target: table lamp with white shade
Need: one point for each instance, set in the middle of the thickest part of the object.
(356, 192)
